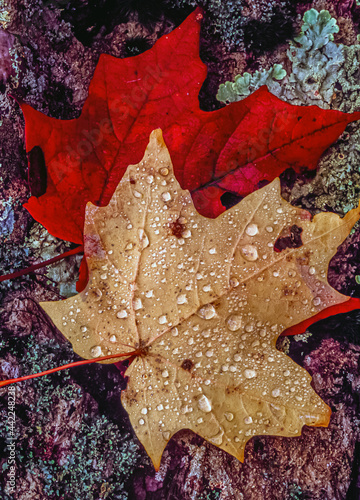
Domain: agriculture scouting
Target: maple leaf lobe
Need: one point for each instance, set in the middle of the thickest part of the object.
(207, 358)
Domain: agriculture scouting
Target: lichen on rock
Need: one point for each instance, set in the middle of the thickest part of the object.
(315, 60)
(245, 84)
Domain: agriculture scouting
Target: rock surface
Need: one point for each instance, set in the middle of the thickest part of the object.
(73, 438)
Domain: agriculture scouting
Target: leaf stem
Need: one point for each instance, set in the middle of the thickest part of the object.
(32, 268)
(3, 383)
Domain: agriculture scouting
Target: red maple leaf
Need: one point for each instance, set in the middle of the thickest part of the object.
(229, 150)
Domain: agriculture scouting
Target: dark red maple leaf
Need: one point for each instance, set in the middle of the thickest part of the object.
(226, 151)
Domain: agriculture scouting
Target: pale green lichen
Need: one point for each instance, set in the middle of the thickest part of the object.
(315, 59)
(245, 84)
(348, 81)
(302, 337)
(7, 218)
(5, 15)
(336, 186)
(283, 344)
(15, 53)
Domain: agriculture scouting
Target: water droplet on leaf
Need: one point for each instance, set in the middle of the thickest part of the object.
(249, 373)
(252, 230)
(249, 253)
(234, 322)
(204, 404)
(207, 312)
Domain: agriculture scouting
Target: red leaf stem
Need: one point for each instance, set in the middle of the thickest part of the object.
(22, 272)
(3, 383)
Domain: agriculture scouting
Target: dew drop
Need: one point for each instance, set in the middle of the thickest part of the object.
(113, 338)
(312, 270)
(96, 351)
(141, 421)
(229, 416)
(181, 299)
(166, 196)
(129, 226)
(212, 251)
(162, 320)
(249, 373)
(269, 229)
(207, 312)
(129, 246)
(165, 374)
(166, 435)
(144, 240)
(248, 420)
(206, 288)
(121, 314)
(316, 301)
(218, 439)
(164, 171)
(185, 409)
(97, 294)
(144, 411)
(137, 194)
(234, 282)
(204, 404)
(137, 304)
(160, 407)
(83, 329)
(186, 233)
(237, 357)
(150, 179)
(275, 393)
(209, 353)
(252, 230)
(200, 420)
(234, 322)
(249, 253)
(286, 373)
(249, 327)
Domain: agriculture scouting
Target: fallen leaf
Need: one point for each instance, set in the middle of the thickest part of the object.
(202, 302)
(225, 152)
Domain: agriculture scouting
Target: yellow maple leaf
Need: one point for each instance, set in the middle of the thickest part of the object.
(202, 302)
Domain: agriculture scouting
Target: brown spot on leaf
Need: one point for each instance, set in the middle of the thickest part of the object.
(187, 364)
(289, 238)
(177, 228)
